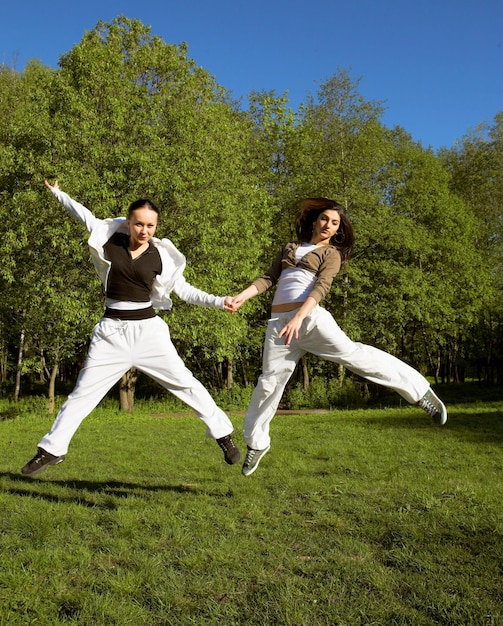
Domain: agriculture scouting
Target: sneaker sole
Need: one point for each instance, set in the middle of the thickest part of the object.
(440, 420)
(43, 468)
(232, 460)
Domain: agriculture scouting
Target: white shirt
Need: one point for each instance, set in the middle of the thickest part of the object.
(295, 283)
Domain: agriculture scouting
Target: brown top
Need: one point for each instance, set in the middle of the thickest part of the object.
(324, 262)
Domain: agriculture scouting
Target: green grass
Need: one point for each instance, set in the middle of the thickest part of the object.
(368, 517)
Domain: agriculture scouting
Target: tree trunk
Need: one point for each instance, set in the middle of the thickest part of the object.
(3, 363)
(126, 390)
(219, 378)
(433, 366)
(43, 368)
(305, 373)
(243, 373)
(230, 378)
(19, 366)
(52, 388)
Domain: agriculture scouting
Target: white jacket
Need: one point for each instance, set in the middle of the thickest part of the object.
(173, 262)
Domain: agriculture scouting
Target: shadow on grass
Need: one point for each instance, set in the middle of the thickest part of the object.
(110, 489)
(472, 424)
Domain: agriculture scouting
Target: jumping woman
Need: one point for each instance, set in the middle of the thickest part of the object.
(304, 271)
(138, 272)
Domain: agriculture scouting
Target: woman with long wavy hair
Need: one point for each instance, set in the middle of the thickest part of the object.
(303, 272)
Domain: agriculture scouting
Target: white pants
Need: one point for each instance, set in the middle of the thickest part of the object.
(321, 335)
(115, 347)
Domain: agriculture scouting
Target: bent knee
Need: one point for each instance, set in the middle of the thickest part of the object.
(267, 382)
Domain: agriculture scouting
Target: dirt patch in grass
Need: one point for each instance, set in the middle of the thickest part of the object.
(278, 412)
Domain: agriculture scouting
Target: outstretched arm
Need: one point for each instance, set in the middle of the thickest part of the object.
(242, 297)
(51, 187)
(73, 207)
(192, 295)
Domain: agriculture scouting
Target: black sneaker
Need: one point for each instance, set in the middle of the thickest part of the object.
(231, 451)
(435, 408)
(252, 460)
(40, 462)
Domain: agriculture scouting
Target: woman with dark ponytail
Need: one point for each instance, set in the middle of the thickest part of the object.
(138, 273)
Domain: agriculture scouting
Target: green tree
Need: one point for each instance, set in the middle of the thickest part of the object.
(428, 242)
(475, 164)
(41, 277)
(134, 117)
(412, 235)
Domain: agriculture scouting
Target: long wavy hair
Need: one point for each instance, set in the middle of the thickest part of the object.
(309, 211)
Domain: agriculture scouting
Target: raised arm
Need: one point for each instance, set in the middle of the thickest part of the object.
(51, 187)
(73, 207)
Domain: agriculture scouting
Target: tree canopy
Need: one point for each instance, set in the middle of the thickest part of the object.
(127, 115)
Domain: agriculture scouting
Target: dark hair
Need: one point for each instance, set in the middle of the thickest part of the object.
(140, 204)
(309, 211)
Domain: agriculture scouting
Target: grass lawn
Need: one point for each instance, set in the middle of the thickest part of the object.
(362, 517)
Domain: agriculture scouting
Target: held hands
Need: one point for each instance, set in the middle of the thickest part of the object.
(228, 304)
(289, 331)
(236, 302)
(232, 304)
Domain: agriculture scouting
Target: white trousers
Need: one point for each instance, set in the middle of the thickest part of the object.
(321, 335)
(115, 347)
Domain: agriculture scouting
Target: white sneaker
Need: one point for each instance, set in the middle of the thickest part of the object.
(435, 408)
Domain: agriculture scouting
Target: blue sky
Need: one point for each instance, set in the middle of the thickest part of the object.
(436, 64)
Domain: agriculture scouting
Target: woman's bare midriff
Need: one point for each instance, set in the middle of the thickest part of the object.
(284, 308)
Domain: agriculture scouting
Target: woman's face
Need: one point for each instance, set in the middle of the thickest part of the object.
(326, 225)
(141, 223)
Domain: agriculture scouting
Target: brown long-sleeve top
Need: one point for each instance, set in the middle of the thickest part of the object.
(324, 262)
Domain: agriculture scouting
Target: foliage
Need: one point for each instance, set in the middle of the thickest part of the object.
(127, 115)
(475, 165)
(327, 394)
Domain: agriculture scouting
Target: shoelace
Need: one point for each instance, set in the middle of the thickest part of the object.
(37, 461)
(227, 445)
(249, 456)
(430, 408)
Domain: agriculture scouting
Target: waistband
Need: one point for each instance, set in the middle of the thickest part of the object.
(287, 315)
(138, 314)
